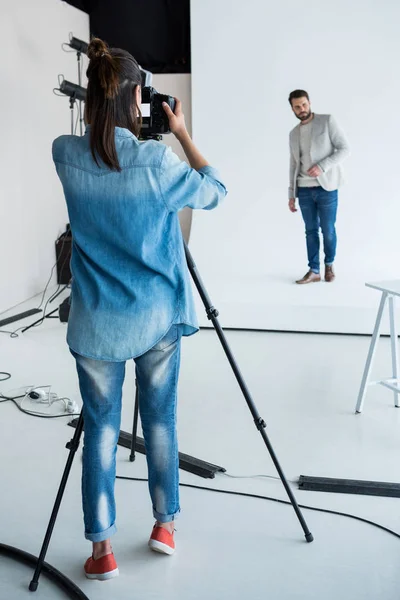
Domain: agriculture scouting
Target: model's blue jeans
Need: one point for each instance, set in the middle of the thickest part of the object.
(319, 209)
(101, 383)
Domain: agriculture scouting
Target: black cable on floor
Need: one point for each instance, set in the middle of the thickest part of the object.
(277, 500)
(6, 375)
(65, 584)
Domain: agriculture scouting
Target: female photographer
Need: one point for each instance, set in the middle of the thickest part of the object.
(131, 296)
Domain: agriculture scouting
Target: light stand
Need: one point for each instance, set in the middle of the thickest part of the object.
(76, 93)
(81, 47)
(72, 102)
(79, 59)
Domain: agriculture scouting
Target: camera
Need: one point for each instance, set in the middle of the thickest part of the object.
(154, 118)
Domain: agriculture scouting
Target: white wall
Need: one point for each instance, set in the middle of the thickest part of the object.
(32, 207)
(246, 58)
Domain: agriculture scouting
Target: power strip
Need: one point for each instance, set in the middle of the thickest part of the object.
(41, 396)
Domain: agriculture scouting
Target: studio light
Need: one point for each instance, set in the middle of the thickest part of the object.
(78, 45)
(77, 92)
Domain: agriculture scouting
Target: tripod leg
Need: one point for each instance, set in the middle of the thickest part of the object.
(132, 455)
(212, 314)
(73, 447)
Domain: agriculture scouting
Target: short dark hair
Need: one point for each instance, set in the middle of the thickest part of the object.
(113, 76)
(298, 94)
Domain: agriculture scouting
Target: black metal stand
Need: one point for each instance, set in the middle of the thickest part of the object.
(212, 315)
(132, 455)
(79, 59)
(72, 101)
(48, 316)
(60, 291)
(73, 445)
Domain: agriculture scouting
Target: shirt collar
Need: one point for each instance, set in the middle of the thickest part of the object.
(119, 131)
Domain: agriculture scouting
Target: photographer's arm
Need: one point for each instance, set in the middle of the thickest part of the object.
(178, 127)
(195, 158)
(197, 185)
(292, 172)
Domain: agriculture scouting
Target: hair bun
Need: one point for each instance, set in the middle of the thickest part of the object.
(97, 48)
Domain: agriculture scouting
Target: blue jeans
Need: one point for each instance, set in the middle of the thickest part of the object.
(319, 209)
(100, 383)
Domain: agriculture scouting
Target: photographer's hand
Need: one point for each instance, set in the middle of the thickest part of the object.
(176, 119)
(178, 127)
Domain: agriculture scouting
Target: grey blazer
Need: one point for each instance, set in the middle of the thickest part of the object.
(329, 148)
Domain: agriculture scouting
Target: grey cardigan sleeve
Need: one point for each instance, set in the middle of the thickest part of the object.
(292, 171)
(340, 144)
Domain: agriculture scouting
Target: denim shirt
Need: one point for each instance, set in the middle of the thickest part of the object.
(130, 281)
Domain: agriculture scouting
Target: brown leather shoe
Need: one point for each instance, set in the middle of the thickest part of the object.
(329, 274)
(309, 277)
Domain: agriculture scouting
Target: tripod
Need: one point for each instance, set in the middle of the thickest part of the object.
(260, 424)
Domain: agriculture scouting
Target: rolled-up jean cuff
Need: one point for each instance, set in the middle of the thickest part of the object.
(103, 535)
(165, 518)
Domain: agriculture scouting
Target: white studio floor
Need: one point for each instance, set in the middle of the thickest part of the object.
(305, 387)
(273, 302)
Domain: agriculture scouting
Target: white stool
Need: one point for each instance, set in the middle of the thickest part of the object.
(390, 290)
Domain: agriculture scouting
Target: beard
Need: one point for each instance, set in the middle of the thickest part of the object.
(304, 116)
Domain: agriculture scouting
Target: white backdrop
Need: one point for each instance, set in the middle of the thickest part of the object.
(32, 206)
(246, 58)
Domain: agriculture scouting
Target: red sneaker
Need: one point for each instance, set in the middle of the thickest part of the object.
(162, 541)
(103, 568)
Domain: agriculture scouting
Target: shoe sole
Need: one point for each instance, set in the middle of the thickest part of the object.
(308, 282)
(103, 576)
(160, 547)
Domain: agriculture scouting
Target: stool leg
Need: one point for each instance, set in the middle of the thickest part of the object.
(371, 354)
(395, 347)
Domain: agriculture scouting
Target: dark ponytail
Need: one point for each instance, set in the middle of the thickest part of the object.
(113, 76)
